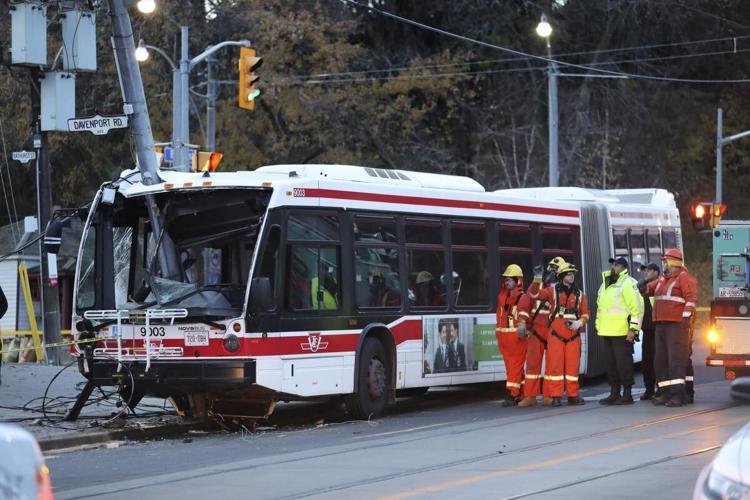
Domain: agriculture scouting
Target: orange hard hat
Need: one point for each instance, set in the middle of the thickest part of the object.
(672, 254)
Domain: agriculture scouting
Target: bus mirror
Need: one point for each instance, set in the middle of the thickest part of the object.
(261, 299)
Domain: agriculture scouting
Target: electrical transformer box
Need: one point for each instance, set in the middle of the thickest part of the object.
(58, 100)
(28, 33)
(79, 40)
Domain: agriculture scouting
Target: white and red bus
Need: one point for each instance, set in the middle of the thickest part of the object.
(309, 281)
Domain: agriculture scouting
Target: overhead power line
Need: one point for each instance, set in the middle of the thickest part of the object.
(522, 59)
(311, 80)
(538, 57)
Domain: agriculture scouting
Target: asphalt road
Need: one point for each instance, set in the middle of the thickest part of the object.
(450, 443)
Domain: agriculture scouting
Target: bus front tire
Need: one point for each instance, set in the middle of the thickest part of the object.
(372, 389)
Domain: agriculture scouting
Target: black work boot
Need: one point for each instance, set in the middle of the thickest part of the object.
(626, 398)
(556, 402)
(614, 395)
(647, 395)
(510, 401)
(575, 401)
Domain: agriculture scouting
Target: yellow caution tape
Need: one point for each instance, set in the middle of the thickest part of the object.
(56, 344)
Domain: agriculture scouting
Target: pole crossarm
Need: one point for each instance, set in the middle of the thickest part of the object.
(727, 140)
(588, 75)
(210, 50)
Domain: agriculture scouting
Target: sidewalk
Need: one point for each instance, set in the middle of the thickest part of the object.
(23, 386)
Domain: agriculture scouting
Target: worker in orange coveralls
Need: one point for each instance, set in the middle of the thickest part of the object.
(536, 313)
(512, 344)
(569, 313)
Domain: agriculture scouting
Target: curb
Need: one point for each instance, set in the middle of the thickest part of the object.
(58, 443)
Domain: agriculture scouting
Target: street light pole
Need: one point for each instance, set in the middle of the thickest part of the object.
(181, 154)
(553, 120)
(544, 30)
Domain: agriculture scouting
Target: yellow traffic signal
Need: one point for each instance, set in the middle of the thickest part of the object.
(248, 90)
(717, 212)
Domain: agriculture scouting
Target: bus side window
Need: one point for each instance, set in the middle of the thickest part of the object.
(313, 278)
(425, 258)
(470, 260)
(620, 240)
(669, 238)
(515, 248)
(638, 249)
(654, 244)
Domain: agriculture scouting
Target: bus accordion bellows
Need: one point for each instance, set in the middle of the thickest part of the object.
(318, 281)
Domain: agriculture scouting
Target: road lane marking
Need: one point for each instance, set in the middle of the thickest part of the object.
(390, 433)
(612, 473)
(552, 462)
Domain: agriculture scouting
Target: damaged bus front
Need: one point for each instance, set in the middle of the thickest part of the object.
(179, 336)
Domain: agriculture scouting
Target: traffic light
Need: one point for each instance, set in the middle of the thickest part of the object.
(717, 212)
(706, 215)
(207, 161)
(249, 62)
(700, 213)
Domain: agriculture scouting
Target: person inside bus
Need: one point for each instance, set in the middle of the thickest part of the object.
(325, 290)
(380, 294)
(427, 294)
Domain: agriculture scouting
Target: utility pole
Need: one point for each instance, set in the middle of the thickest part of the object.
(50, 294)
(135, 98)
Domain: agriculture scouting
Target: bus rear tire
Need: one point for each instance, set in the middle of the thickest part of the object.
(372, 382)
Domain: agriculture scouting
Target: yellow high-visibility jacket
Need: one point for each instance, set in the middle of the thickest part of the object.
(619, 306)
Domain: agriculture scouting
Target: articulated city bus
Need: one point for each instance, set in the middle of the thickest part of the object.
(309, 281)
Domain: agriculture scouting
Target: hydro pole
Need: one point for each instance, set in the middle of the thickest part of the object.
(134, 95)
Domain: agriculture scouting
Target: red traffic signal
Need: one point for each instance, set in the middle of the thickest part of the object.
(700, 214)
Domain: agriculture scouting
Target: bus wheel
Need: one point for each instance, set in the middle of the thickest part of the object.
(372, 393)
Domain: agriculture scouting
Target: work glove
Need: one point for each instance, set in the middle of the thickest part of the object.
(575, 325)
(521, 331)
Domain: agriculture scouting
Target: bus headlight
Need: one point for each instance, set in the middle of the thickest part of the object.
(232, 343)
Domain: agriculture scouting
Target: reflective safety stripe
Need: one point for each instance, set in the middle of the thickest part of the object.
(568, 316)
(554, 377)
(543, 311)
(533, 377)
(686, 314)
(505, 330)
(669, 297)
(615, 310)
(513, 384)
(571, 378)
(524, 313)
(689, 304)
(675, 381)
(689, 378)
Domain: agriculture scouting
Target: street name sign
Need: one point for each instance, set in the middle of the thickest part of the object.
(24, 156)
(97, 125)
